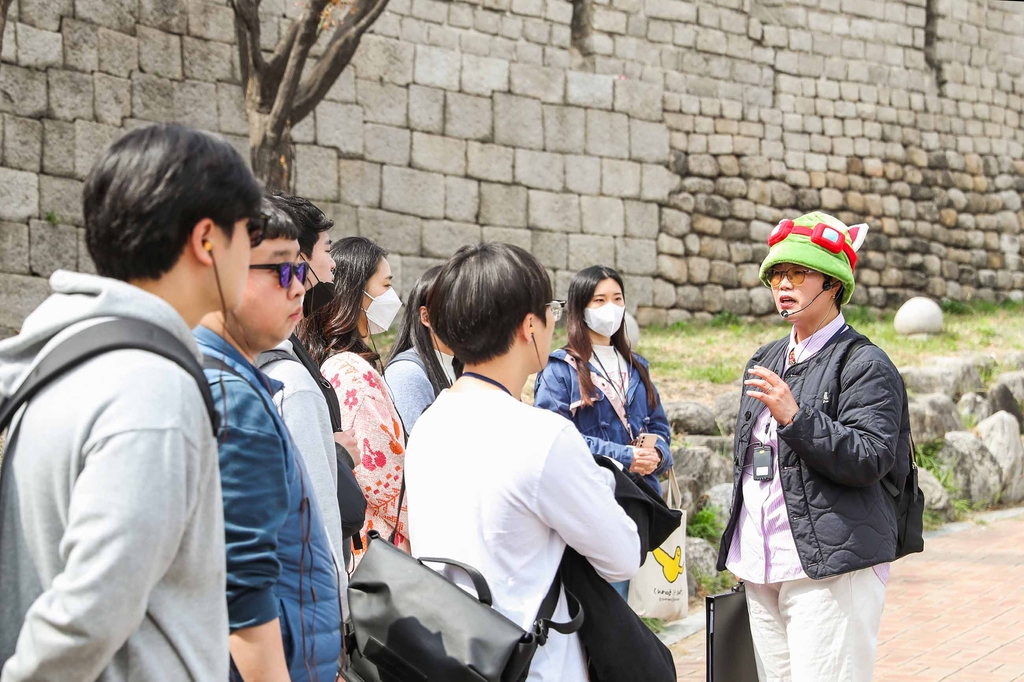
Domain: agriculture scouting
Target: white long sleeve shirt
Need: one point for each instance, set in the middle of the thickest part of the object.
(504, 487)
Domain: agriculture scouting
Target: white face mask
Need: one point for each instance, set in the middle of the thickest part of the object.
(605, 320)
(447, 363)
(382, 311)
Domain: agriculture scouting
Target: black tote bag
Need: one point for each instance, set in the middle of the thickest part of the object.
(730, 649)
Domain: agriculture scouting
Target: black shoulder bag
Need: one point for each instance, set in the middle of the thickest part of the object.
(410, 624)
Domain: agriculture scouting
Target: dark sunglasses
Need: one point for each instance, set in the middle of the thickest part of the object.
(257, 227)
(285, 272)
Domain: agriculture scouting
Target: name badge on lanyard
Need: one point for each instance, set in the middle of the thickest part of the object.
(763, 465)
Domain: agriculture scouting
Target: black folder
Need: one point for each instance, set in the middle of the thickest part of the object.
(730, 654)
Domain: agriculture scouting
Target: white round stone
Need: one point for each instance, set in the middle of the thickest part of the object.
(919, 315)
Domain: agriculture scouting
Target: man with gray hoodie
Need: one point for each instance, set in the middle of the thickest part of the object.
(112, 560)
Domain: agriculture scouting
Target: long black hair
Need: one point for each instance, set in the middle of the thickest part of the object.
(335, 328)
(581, 291)
(414, 334)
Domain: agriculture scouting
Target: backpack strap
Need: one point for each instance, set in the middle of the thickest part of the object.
(543, 623)
(409, 355)
(889, 486)
(104, 337)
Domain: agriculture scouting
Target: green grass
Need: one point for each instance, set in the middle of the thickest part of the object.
(713, 584)
(655, 625)
(927, 459)
(705, 524)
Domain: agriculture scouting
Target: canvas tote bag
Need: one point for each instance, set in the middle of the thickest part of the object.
(658, 590)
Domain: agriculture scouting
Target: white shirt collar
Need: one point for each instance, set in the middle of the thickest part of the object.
(806, 349)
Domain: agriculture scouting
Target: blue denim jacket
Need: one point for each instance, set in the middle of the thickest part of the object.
(558, 388)
(278, 552)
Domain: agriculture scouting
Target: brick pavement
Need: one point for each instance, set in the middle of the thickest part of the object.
(954, 613)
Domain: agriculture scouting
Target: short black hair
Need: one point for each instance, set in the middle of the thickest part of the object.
(309, 219)
(482, 294)
(279, 224)
(147, 191)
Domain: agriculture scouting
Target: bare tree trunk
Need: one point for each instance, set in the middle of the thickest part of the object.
(4, 6)
(272, 154)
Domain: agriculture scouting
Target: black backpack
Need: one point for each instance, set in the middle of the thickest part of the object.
(907, 500)
(95, 340)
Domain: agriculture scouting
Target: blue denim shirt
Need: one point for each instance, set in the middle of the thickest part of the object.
(275, 538)
(558, 388)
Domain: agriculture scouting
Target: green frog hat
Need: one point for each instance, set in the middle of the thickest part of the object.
(820, 242)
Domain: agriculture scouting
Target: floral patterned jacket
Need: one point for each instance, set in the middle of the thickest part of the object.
(380, 466)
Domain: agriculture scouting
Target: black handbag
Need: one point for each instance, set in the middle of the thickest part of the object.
(411, 624)
(730, 648)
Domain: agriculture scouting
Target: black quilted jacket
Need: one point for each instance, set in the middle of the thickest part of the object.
(852, 430)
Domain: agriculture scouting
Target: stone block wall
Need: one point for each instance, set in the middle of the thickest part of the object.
(662, 137)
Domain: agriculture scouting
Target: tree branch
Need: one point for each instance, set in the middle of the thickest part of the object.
(247, 29)
(336, 57)
(303, 41)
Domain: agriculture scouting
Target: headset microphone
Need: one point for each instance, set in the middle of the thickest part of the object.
(786, 313)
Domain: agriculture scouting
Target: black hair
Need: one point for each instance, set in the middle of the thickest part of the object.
(581, 292)
(147, 191)
(481, 296)
(414, 334)
(280, 223)
(309, 219)
(334, 328)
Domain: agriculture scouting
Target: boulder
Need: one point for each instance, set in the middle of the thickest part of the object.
(703, 467)
(952, 376)
(1001, 435)
(632, 331)
(932, 416)
(919, 315)
(935, 496)
(687, 417)
(701, 559)
(1015, 382)
(976, 472)
(1014, 359)
(973, 408)
(727, 408)
(719, 498)
(1000, 398)
(723, 445)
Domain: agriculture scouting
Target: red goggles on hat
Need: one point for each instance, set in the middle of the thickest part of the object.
(825, 236)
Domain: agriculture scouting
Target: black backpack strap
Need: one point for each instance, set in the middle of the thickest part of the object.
(104, 337)
(543, 623)
(333, 406)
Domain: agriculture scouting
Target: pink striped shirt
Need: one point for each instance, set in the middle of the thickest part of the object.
(763, 549)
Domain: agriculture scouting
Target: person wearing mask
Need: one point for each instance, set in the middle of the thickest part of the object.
(822, 441)
(112, 536)
(420, 365)
(495, 483)
(602, 386)
(283, 584)
(308, 403)
(339, 339)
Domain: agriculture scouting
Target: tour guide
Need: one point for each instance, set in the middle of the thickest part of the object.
(822, 421)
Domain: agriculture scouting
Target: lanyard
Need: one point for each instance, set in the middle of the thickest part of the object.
(486, 380)
(621, 388)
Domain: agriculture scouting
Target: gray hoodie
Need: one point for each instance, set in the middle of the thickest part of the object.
(112, 535)
(305, 413)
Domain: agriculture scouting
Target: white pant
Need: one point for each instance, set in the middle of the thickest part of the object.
(816, 630)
